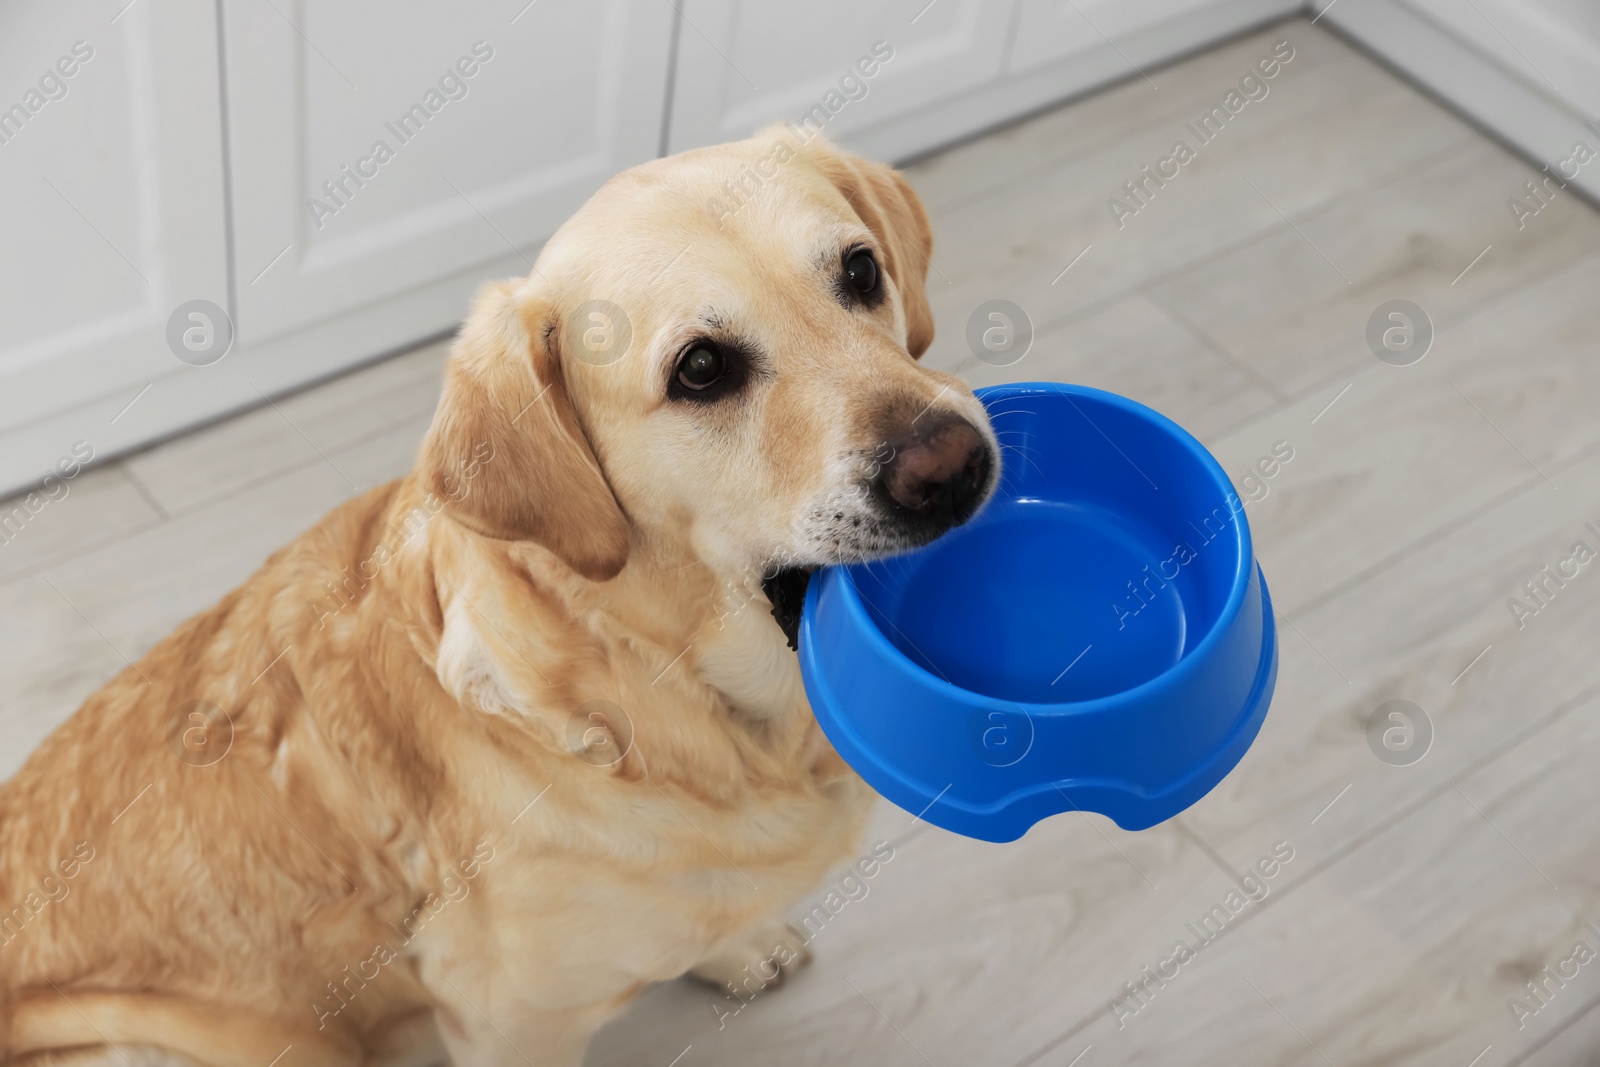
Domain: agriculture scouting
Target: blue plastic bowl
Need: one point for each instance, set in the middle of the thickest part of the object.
(1099, 638)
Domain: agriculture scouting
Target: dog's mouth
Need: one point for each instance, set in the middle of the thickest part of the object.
(787, 591)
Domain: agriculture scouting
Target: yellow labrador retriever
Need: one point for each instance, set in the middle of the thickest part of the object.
(493, 747)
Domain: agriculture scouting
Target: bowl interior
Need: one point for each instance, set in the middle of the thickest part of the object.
(1106, 556)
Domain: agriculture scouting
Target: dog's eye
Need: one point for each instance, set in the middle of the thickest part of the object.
(701, 368)
(862, 270)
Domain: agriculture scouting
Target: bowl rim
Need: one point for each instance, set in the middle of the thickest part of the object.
(1244, 566)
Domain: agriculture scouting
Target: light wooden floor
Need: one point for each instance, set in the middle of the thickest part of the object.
(1420, 898)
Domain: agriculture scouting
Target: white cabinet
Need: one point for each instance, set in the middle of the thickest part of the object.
(374, 152)
(340, 175)
(744, 63)
(337, 177)
(958, 67)
(111, 173)
(1056, 30)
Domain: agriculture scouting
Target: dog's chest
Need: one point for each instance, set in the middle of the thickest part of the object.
(668, 871)
(656, 882)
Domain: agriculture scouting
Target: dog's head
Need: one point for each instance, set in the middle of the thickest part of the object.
(720, 347)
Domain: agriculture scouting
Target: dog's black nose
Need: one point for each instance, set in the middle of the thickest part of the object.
(940, 474)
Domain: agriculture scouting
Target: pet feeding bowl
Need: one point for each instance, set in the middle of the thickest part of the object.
(1098, 638)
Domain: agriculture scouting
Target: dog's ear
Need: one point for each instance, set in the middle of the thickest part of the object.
(885, 202)
(506, 452)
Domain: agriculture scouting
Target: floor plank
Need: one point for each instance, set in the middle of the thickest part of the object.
(298, 430)
(1433, 627)
(1575, 1045)
(1406, 450)
(1014, 928)
(1017, 242)
(1043, 142)
(1412, 948)
(69, 516)
(1136, 348)
(1414, 238)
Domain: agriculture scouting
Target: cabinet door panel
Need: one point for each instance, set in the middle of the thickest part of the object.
(744, 63)
(112, 177)
(1053, 30)
(373, 153)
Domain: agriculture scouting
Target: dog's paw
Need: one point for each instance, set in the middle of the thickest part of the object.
(759, 959)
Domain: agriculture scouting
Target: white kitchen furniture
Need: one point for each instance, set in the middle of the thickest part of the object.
(336, 178)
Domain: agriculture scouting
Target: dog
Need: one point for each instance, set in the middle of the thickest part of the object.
(492, 748)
